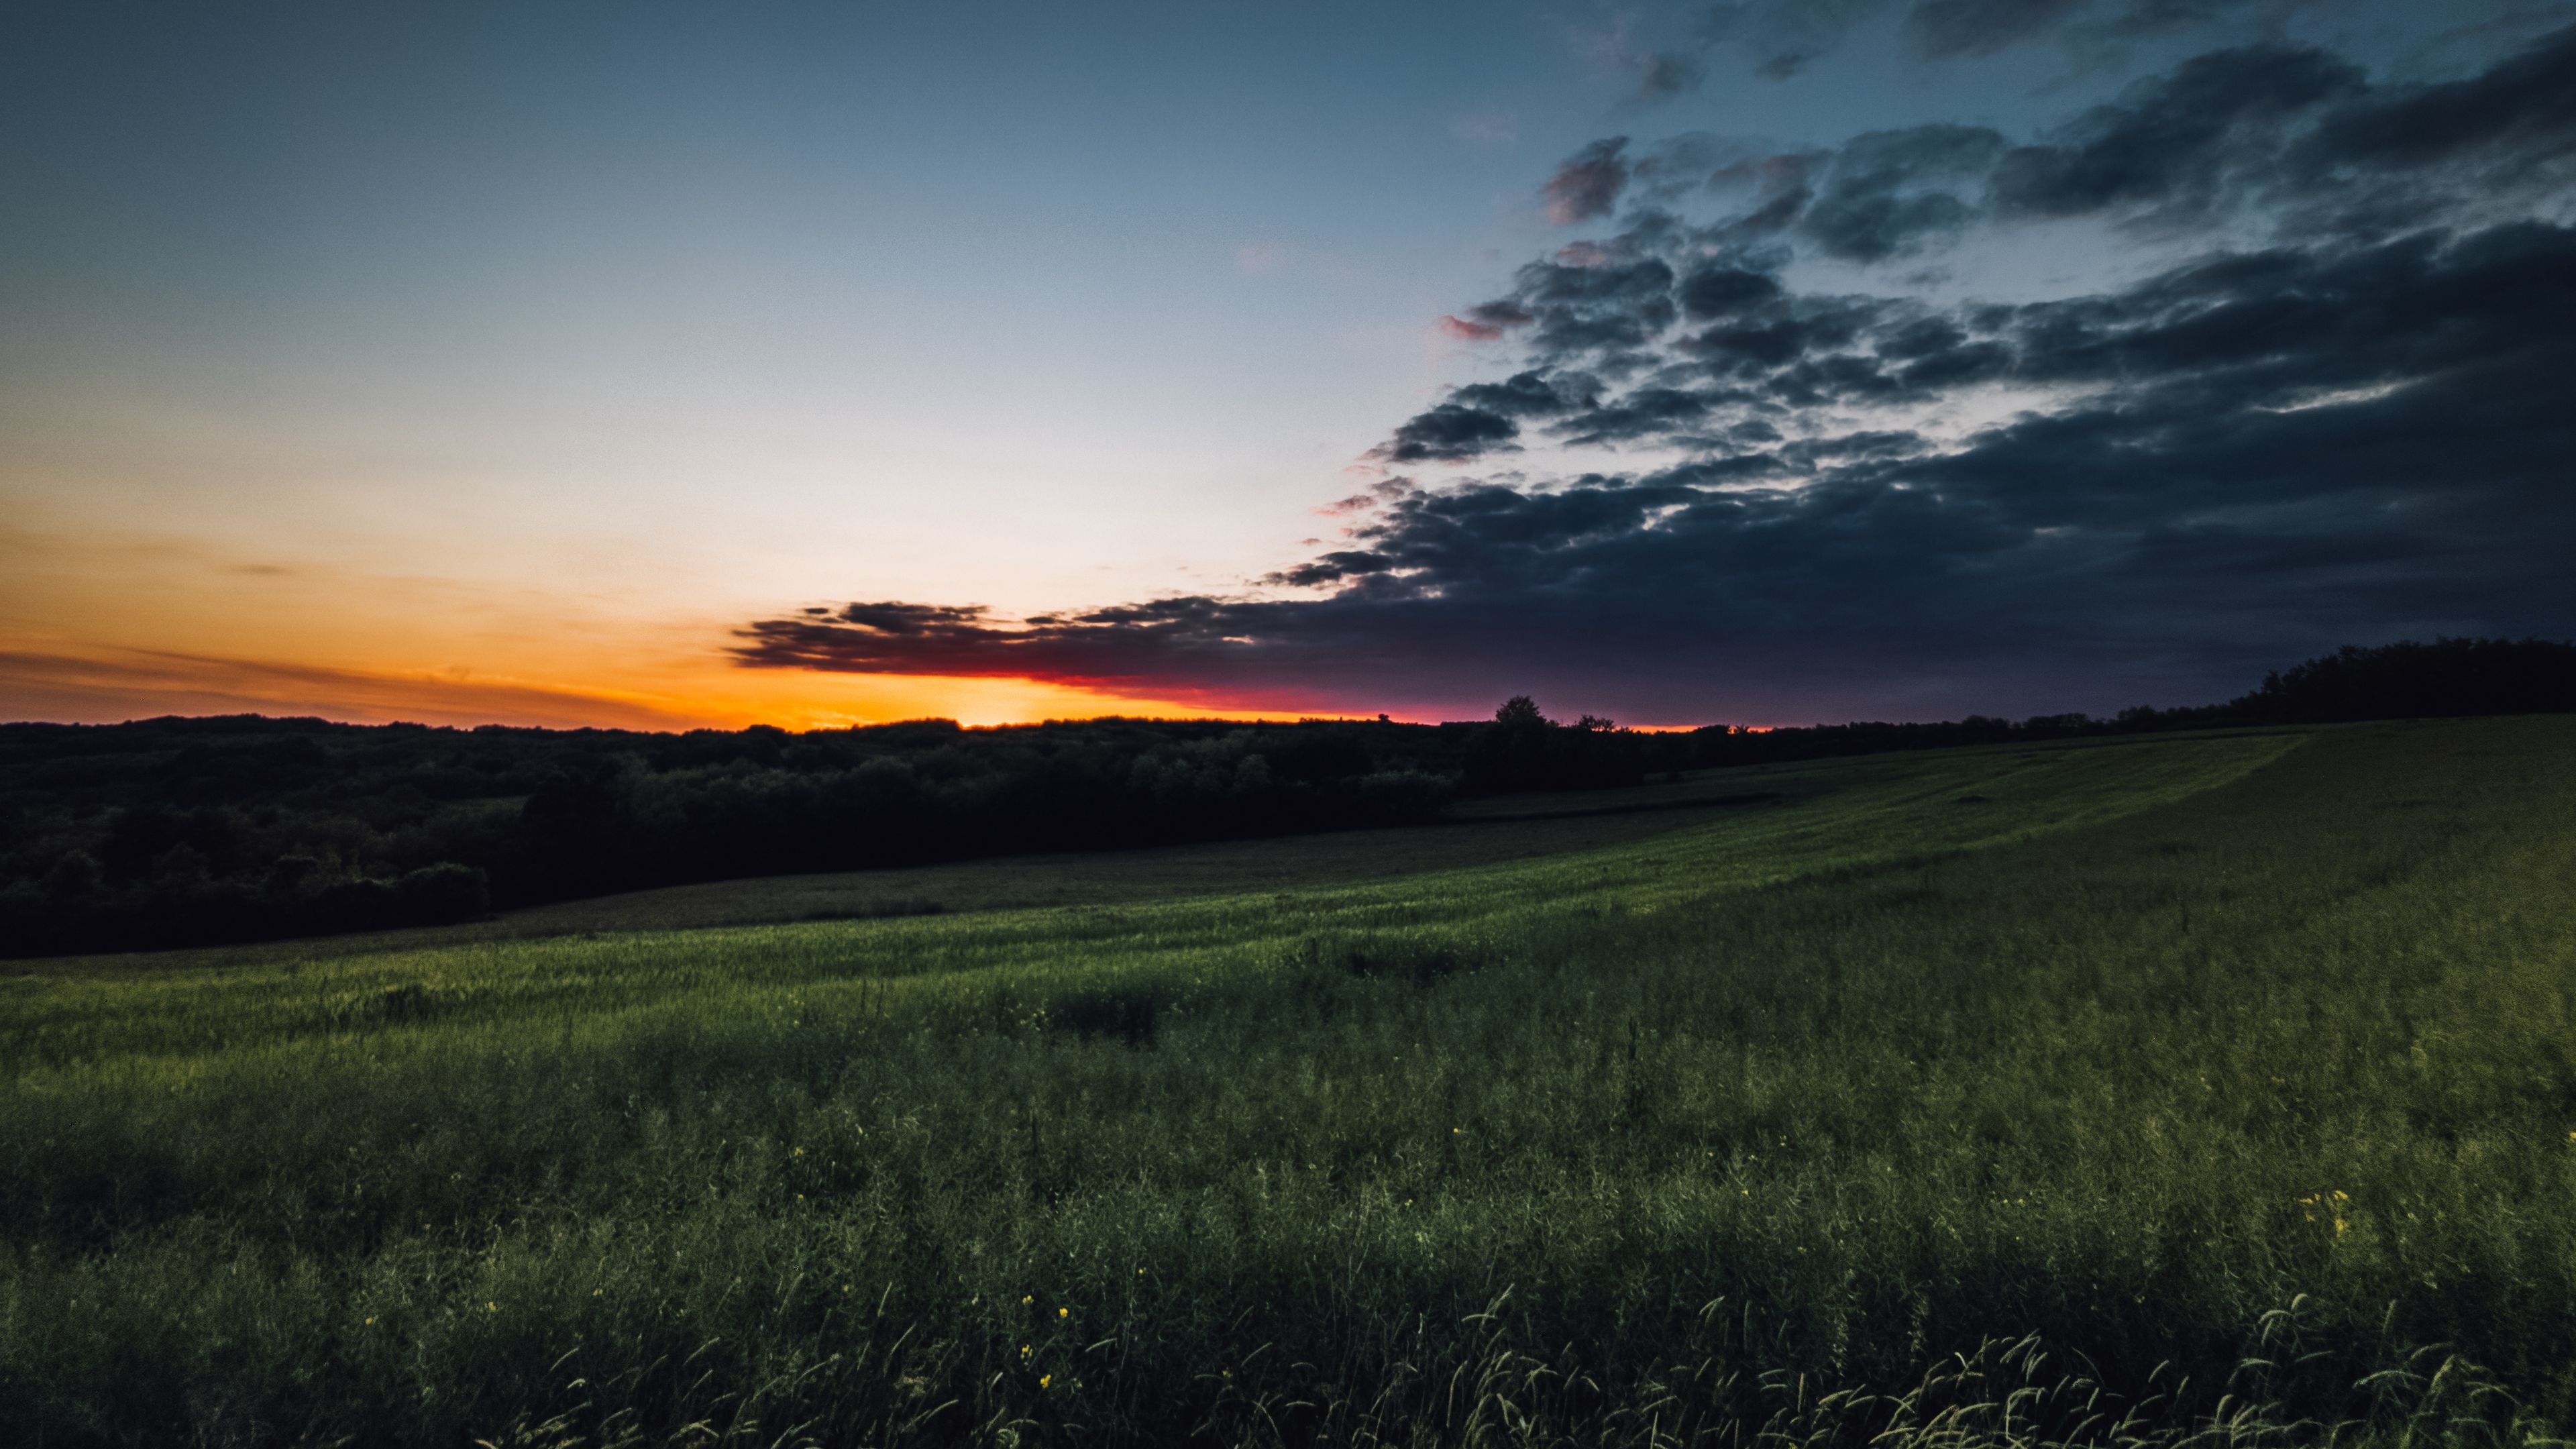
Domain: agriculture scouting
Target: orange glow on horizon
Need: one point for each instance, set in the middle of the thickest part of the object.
(102, 625)
(96, 628)
(143, 684)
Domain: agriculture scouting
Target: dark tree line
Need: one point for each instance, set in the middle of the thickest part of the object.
(190, 831)
(176, 832)
(2449, 678)
(1524, 750)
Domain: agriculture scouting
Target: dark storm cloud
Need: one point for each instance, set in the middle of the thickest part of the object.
(2258, 123)
(1750, 348)
(1948, 369)
(2299, 131)
(2227, 127)
(1531, 394)
(908, 620)
(1331, 568)
(1885, 193)
(2171, 141)
(1726, 292)
(1603, 310)
(2341, 429)
(1646, 412)
(1449, 433)
(2294, 139)
(2525, 107)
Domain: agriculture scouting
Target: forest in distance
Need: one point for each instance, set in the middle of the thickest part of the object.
(177, 832)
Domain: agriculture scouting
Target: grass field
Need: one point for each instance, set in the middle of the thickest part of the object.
(1482, 832)
(1486, 832)
(2106, 1093)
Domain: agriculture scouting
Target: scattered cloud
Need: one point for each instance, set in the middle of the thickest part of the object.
(1588, 183)
(1615, 50)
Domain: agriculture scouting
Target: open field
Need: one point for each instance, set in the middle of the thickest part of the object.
(1523, 829)
(1485, 831)
(2176, 1052)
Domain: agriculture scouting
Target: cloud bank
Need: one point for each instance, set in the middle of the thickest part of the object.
(2335, 411)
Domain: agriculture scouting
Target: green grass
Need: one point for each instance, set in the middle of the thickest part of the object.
(2174, 1079)
(1525, 828)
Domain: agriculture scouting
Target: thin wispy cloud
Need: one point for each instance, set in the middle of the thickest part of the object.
(1615, 48)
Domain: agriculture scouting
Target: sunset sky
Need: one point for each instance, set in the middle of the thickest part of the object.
(1765, 362)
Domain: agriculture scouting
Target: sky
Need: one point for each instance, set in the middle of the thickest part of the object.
(1757, 362)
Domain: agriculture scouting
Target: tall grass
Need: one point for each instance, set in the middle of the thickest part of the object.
(2180, 1087)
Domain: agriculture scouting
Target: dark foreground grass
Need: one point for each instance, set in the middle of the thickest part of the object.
(2140, 1097)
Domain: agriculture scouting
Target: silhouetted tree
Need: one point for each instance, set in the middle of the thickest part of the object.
(2410, 680)
(1524, 750)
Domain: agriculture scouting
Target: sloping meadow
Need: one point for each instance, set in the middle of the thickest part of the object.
(2089, 1094)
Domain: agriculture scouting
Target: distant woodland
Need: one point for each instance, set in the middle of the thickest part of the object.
(172, 832)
